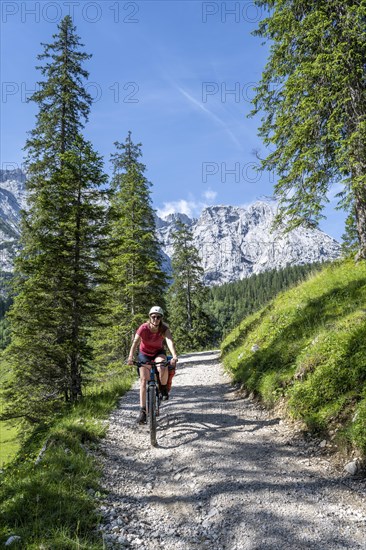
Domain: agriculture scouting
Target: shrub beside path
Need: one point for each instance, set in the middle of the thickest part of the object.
(226, 475)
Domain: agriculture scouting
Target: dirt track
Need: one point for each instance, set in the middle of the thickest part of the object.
(226, 475)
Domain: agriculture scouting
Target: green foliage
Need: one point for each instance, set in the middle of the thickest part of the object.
(5, 303)
(4, 333)
(50, 503)
(133, 274)
(313, 95)
(63, 101)
(56, 302)
(308, 346)
(350, 239)
(191, 323)
(56, 298)
(231, 302)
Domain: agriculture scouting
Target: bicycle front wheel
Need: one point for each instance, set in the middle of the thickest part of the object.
(152, 413)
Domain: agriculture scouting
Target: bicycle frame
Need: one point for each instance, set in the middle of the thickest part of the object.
(153, 398)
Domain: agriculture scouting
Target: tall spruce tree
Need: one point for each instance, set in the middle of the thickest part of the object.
(313, 95)
(56, 300)
(136, 280)
(63, 103)
(192, 326)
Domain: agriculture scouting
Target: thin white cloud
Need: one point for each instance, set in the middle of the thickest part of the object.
(189, 208)
(211, 115)
(209, 195)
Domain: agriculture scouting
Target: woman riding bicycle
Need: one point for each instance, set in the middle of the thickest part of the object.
(151, 336)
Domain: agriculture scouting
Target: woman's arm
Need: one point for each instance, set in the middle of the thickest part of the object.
(171, 346)
(131, 355)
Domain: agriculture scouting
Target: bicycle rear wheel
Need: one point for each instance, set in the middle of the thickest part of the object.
(152, 413)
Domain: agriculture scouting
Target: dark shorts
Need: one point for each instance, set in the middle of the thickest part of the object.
(143, 358)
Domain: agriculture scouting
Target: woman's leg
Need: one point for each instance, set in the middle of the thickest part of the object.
(144, 372)
(144, 377)
(163, 370)
(171, 374)
(163, 375)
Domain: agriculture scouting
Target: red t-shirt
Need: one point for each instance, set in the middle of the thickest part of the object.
(151, 342)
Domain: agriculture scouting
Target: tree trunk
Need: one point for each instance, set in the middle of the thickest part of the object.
(75, 382)
(360, 208)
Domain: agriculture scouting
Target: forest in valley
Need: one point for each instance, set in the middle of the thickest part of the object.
(230, 303)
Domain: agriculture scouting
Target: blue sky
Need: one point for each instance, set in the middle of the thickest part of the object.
(178, 74)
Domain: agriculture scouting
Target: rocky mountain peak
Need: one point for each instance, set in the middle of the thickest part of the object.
(235, 242)
(12, 200)
(172, 219)
(13, 182)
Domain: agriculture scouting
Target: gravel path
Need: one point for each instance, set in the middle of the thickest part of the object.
(226, 475)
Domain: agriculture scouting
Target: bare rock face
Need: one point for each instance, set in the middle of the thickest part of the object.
(235, 242)
(12, 200)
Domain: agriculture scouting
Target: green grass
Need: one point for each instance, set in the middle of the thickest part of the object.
(51, 504)
(9, 443)
(9, 439)
(311, 351)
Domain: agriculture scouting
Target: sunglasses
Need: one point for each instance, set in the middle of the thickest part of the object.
(155, 316)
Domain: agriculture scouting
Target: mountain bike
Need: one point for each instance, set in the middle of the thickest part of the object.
(153, 397)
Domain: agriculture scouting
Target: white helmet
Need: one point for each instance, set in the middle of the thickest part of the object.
(156, 309)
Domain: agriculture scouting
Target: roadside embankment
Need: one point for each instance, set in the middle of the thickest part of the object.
(307, 349)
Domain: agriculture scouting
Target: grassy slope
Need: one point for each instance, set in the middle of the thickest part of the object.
(9, 443)
(312, 352)
(50, 503)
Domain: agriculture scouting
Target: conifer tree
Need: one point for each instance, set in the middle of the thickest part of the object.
(62, 100)
(231, 302)
(191, 325)
(313, 96)
(56, 299)
(136, 280)
(350, 237)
